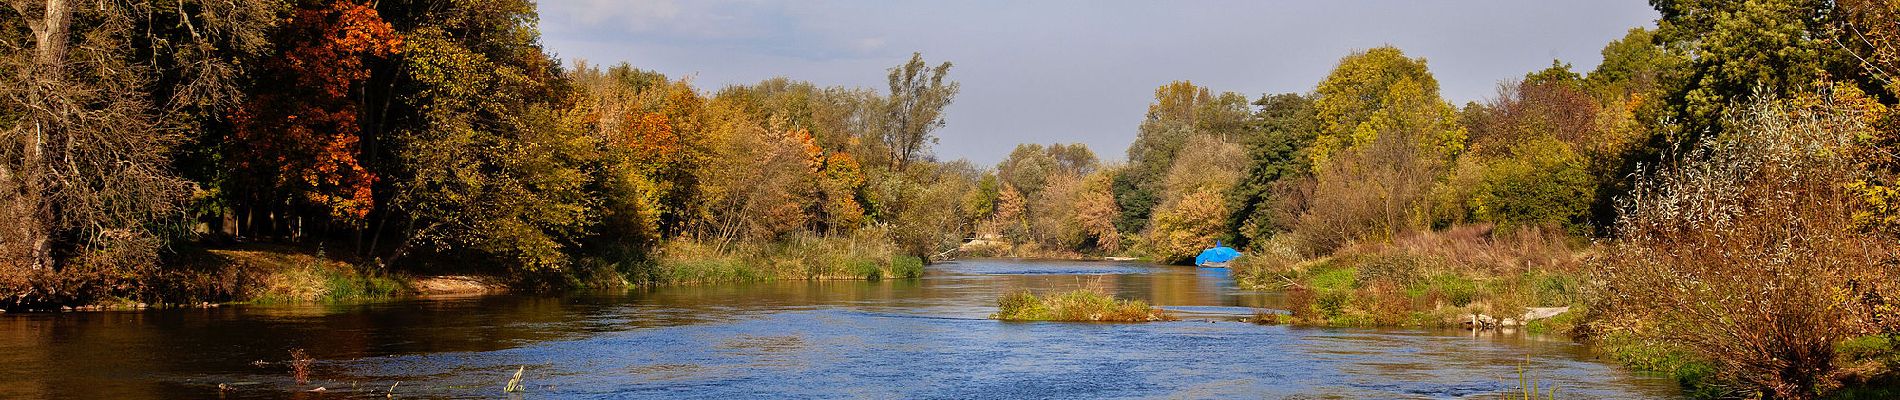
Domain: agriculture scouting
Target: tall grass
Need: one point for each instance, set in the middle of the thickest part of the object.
(1077, 305)
(867, 255)
(1528, 387)
(298, 278)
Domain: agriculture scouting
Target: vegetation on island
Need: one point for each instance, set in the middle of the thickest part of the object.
(1080, 305)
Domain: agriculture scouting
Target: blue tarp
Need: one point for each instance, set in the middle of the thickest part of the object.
(1216, 255)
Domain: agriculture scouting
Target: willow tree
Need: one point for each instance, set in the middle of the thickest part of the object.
(914, 108)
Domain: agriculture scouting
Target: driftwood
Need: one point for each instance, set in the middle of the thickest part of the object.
(1477, 321)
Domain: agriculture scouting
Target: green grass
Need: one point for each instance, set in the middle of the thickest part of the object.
(1696, 376)
(288, 277)
(327, 284)
(1076, 305)
(862, 257)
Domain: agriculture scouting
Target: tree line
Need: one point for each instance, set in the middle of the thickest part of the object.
(407, 133)
(414, 134)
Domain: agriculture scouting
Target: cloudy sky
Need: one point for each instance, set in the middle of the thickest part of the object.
(1049, 71)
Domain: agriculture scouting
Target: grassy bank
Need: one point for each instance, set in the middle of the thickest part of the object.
(280, 274)
(1001, 249)
(1427, 279)
(860, 257)
(1870, 362)
(1076, 305)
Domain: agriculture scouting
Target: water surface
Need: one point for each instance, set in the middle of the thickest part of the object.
(922, 338)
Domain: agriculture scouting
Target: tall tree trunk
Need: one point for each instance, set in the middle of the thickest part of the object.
(48, 63)
(50, 37)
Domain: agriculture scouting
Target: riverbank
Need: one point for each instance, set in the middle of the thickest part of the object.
(282, 274)
(684, 262)
(1474, 277)
(1458, 277)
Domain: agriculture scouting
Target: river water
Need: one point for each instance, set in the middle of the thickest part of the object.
(921, 338)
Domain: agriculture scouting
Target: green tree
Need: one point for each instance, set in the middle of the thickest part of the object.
(1740, 47)
(93, 98)
(487, 161)
(914, 109)
(1276, 160)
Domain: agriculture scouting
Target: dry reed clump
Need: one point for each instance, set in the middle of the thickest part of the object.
(1746, 253)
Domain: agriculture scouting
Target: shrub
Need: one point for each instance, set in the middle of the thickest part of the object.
(907, 267)
(1746, 252)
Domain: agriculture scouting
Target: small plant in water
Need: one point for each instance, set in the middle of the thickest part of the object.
(300, 363)
(1527, 386)
(514, 384)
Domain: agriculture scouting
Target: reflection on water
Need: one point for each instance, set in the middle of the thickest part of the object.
(910, 338)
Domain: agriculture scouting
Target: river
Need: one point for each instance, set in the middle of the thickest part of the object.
(920, 338)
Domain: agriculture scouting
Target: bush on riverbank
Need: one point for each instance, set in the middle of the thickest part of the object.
(1749, 252)
(1427, 279)
(1075, 305)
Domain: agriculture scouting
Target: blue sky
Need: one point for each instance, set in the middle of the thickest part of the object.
(1080, 71)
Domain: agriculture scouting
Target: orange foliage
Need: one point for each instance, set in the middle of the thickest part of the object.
(651, 138)
(299, 136)
(839, 183)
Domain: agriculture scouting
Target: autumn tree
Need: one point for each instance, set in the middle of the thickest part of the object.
(1193, 209)
(1180, 110)
(1870, 32)
(295, 150)
(1046, 182)
(1379, 91)
(1384, 139)
(918, 205)
(1526, 164)
(1746, 253)
(766, 178)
